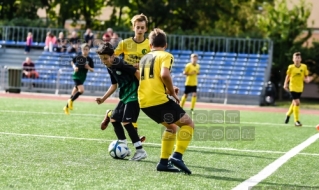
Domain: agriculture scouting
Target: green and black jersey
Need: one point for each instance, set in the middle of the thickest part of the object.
(123, 74)
(80, 62)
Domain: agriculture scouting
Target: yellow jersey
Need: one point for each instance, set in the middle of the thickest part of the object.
(296, 77)
(133, 51)
(152, 91)
(191, 80)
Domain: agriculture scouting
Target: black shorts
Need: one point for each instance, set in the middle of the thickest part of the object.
(126, 112)
(295, 95)
(189, 89)
(169, 112)
(77, 82)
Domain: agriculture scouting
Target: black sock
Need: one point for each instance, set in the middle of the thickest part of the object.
(76, 95)
(133, 134)
(177, 155)
(119, 131)
(164, 161)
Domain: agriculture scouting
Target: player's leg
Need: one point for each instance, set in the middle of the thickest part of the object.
(289, 112)
(184, 97)
(130, 115)
(296, 110)
(69, 104)
(116, 119)
(194, 98)
(183, 137)
(168, 137)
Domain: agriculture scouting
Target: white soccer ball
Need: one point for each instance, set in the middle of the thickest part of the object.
(118, 149)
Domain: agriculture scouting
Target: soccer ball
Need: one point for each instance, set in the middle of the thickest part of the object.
(118, 149)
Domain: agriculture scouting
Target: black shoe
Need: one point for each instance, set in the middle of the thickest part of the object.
(166, 168)
(287, 119)
(298, 124)
(179, 164)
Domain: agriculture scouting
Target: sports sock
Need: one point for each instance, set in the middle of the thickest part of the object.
(168, 142)
(184, 136)
(183, 100)
(119, 131)
(296, 113)
(194, 98)
(133, 135)
(135, 126)
(290, 109)
(109, 113)
(76, 95)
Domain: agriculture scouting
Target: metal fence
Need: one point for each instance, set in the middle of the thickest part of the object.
(59, 81)
(175, 42)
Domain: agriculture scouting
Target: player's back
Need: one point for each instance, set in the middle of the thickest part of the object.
(152, 90)
(133, 51)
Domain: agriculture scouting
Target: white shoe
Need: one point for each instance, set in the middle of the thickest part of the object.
(139, 155)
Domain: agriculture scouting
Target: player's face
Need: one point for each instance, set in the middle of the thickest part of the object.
(85, 51)
(140, 28)
(297, 59)
(194, 59)
(106, 60)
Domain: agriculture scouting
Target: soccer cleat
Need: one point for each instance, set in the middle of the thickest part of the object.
(66, 110)
(139, 155)
(287, 119)
(129, 152)
(179, 164)
(298, 124)
(105, 121)
(142, 139)
(70, 104)
(166, 168)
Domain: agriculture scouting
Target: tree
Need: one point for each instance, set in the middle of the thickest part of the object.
(284, 26)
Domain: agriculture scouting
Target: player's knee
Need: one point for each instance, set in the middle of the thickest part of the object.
(125, 123)
(297, 103)
(113, 120)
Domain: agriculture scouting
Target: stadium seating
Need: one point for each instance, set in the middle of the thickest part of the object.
(244, 72)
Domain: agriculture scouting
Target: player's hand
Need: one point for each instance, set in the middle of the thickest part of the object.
(176, 89)
(99, 100)
(176, 98)
(286, 88)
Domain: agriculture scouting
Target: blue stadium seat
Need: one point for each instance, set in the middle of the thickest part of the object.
(199, 53)
(242, 92)
(41, 44)
(254, 56)
(220, 54)
(186, 52)
(253, 60)
(184, 56)
(255, 93)
(208, 57)
(231, 55)
(219, 59)
(245, 83)
(231, 91)
(256, 88)
(242, 55)
(21, 43)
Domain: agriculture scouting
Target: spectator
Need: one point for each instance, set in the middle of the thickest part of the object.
(28, 43)
(106, 37)
(89, 37)
(73, 48)
(61, 43)
(50, 42)
(115, 40)
(29, 69)
(110, 31)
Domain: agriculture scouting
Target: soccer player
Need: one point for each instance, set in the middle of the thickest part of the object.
(133, 49)
(191, 71)
(297, 73)
(81, 65)
(155, 103)
(125, 77)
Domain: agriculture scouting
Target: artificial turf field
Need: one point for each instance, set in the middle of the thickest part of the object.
(42, 148)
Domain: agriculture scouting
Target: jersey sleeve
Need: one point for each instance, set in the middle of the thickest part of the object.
(119, 49)
(113, 80)
(167, 61)
(91, 63)
(186, 69)
(74, 60)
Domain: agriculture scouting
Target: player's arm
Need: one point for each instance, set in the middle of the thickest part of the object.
(128, 68)
(166, 77)
(287, 78)
(109, 91)
(307, 78)
(90, 66)
(75, 68)
(186, 71)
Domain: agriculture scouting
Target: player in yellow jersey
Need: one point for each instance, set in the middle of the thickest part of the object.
(154, 101)
(191, 71)
(133, 49)
(297, 73)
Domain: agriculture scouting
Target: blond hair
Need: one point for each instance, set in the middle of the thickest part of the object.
(139, 18)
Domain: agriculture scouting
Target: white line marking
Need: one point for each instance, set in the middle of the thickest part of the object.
(142, 117)
(271, 168)
(153, 144)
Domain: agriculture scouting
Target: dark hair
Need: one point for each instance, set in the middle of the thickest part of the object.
(157, 38)
(297, 54)
(105, 48)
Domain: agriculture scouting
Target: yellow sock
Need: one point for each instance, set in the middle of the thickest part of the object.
(183, 100)
(168, 142)
(109, 113)
(296, 113)
(290, 109)
(135, 125)
(194, 98)
(184, 137)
